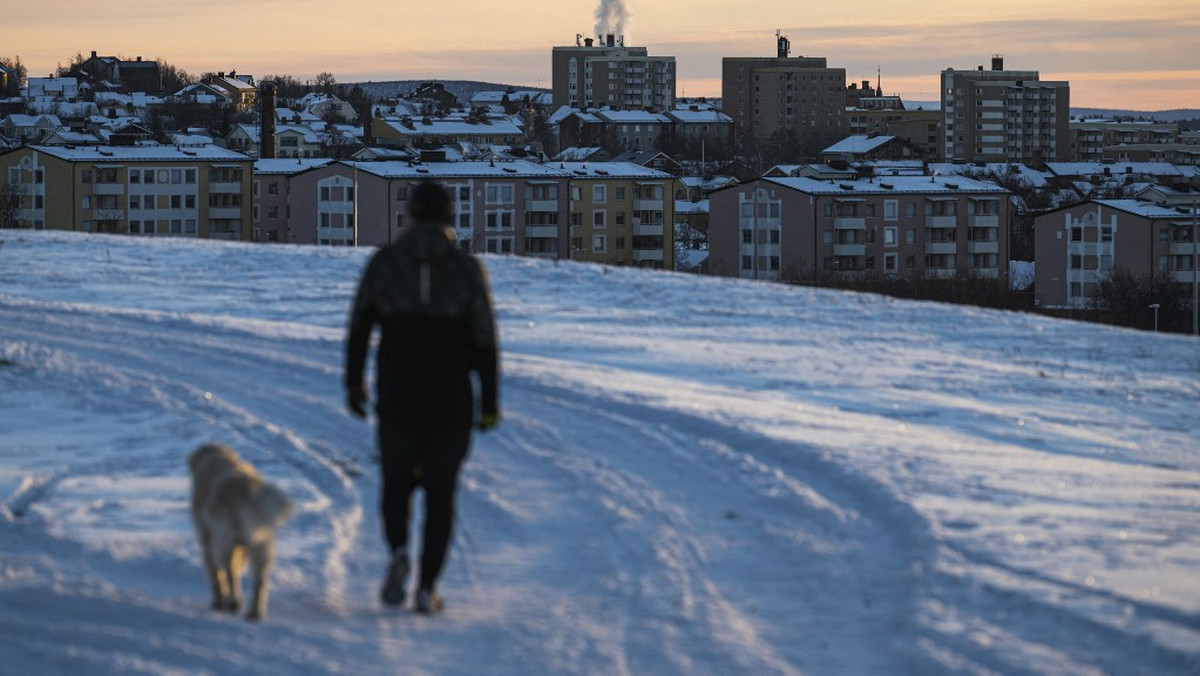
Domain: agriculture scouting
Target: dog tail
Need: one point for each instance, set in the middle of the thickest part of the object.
(273, 505)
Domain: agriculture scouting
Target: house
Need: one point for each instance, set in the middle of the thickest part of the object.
(801, 228)
(29, 128)
(327, 107)
(131, 75)
(1077, 247)
(156, 190)
(240, 91)
(868, 147)
(202, 93)
(653, 159)
(49, 89)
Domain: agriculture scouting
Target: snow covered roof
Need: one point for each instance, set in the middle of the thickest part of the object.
(419, 170)
(141, 153)
(1148, 210)
(688, 116)
(918, 185)
(1099, 168)
(612, 170)
(454, 127)
(858, 144)
(632, 117)
(289, 166)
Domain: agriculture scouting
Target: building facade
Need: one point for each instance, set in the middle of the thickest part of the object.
(603, 72)
(1077, 248)
(1003, 115)
(800, 228)
(621, 214)
(202, 192)
(772, 98)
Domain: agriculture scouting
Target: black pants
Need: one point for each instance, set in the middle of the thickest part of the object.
(430, 457)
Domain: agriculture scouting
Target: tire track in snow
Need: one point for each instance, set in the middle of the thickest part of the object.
(699, 503)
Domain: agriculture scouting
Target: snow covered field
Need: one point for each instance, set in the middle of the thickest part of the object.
(693, 476)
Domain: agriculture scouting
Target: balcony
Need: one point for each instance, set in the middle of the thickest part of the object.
(850, 249)
(987, 273)
(647, 205)
(647, 254)
(983, 247)
(941, 248)
(1183, 276)
(940, 273)
(108, 189)
(651, 229)
(225, 187)
(332, 233)
(983, 221)
(849, 224)
(941, 221)
(1183, 249)
(541, 205)
(539, 231)
(224, 212)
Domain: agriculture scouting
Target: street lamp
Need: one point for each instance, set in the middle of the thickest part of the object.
(1155, 306)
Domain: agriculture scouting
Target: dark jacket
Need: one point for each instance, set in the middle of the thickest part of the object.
(434, 307)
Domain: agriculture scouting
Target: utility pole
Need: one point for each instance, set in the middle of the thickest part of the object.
(1195, 273)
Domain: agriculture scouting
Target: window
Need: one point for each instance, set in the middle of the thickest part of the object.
(189, 201)
(135, 202)
(747, 237)
(273, 212)
(273, 188)
(189, 176)
(910, 236)
(599, 193)
(499, 194)
(619, 193)
(86, 176)
(598, 243)
(402, 194)
(176, 201)
(890, 237)
(598, 219)
(890, 210)
(747, 262)
(324, 194)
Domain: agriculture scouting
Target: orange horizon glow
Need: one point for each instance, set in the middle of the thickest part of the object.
(1114, 55)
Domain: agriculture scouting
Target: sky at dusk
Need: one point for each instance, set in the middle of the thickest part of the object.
(1115, 53)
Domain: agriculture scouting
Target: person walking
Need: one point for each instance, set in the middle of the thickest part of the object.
(433, 305)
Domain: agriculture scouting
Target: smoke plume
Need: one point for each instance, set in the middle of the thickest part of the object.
(610, 17)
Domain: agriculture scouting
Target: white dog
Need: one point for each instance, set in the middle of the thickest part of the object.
(236, 513)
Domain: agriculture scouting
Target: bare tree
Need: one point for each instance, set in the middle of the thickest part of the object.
(11, 195)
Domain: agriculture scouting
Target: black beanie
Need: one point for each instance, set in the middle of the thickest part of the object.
(430, 202)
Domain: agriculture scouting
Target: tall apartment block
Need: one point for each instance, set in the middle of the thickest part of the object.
(771, 96)
(1002, 115)
(604, 72)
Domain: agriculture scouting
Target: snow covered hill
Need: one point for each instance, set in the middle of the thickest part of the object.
(693, 476)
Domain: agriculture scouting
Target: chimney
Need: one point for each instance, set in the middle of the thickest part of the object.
(997, 62)
(266, 142)
(588, 42)
(612, 40)
(784, 46)
(866, 85)
(93, 53)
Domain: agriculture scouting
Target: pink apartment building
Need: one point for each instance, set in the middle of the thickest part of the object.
(793, 228)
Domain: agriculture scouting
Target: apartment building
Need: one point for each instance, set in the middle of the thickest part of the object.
(1077, 247)
(604, 72)
(792, 228)
(238, 89)
(1097, 140)
(770, 98)
(611, 212)
(1003, 115)
(621, 214)
(157, 190)
(272, 185)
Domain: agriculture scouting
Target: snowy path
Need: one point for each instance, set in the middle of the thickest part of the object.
(693, 477)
